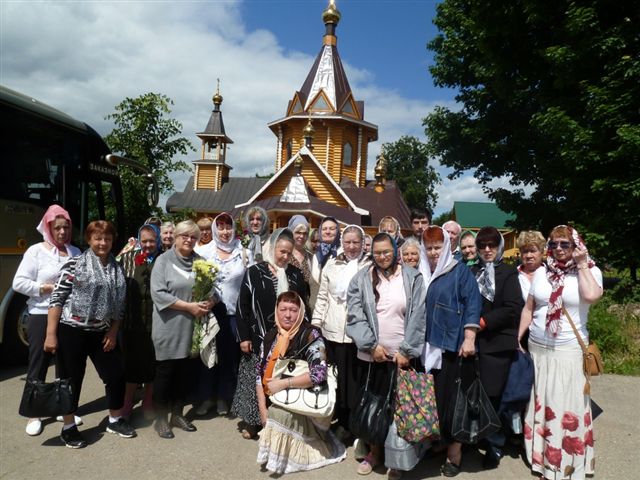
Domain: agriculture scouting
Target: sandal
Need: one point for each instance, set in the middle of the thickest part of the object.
(248, 434)
(450, 469)
(367, 465)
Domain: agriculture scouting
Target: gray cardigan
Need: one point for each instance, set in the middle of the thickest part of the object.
(171, 280)
(362, 320)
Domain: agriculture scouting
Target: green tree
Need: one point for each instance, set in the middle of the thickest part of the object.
(145, 132)
(443, 218)
(408, 165)
(548, 95)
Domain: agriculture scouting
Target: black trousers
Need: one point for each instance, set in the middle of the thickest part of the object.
(38, 359)
(170, 385)
(74, 347)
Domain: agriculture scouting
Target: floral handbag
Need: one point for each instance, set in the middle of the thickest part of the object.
(416, 415)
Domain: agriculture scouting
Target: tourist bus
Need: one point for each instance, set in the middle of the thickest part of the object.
(47, 157)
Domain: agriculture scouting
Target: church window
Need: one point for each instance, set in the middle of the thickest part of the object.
(347, 154)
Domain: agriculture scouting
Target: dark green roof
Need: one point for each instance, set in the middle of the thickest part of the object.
(480, 214)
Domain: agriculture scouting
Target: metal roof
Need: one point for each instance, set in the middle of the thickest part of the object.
(480, 214)
(235, 190)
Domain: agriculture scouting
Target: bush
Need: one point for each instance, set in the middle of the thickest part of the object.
(614, 325)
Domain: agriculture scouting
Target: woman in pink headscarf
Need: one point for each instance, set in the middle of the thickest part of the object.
(35, 278)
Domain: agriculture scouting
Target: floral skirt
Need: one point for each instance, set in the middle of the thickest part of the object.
(558, 431)
(245, 399)
(291, 442)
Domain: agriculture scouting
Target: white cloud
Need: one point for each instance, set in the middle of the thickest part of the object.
(84, 58)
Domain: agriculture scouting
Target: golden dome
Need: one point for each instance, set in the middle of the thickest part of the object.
(331, 14)
(217, 98)
(308, 131)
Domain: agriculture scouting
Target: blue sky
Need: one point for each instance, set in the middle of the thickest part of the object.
(86, 57)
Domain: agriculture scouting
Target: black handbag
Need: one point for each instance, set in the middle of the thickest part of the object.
(41, 399)
(372, 416)
(474, 418)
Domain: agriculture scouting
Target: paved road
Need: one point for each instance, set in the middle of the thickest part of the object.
(216, 450)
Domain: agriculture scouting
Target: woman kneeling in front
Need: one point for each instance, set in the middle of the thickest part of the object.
(292, 442)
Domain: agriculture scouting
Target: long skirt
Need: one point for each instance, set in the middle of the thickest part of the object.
(245, 400)
(558, 432)
(291, 442)
(343, 356)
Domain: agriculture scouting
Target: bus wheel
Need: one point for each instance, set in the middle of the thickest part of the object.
(15, 347)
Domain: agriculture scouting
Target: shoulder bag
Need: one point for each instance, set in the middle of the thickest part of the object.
(591, 358)
(474, 418)
(317, 401)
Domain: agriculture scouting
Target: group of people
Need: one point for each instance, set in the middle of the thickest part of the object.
(439, 301)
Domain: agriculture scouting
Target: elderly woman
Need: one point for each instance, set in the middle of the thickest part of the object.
(86, 308)
(291, 442)
(35, 278)
(330, 315)
(328, 247)
(174, 313)
(410, 251)
(204, 225)
(301, 257)
(386, 322)
(391, 226)
(453, 317)
(256, 221)
(368, 240)
(531, 245)
(261, 285)
(497, 339)
(232, 258)
(468, 249)
(313, 241)
(166, 235)
(137, 347)
(558, 429)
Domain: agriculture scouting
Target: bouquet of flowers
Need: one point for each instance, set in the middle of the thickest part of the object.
(242, 233)
(206, 274)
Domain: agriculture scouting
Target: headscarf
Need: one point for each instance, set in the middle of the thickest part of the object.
(297, 220)
(486, 276)
(325, 250)
(255, 246)
(556, 272)
(150, 257)
(281, 273)
(233, 242)
(44, 227)
(394, 263)
(282, 341)
(398, 235)
(352, 267)
(472, 261)
(445, 259)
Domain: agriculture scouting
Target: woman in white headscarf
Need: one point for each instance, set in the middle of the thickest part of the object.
(500, 317)
(330, 315)
(453, 315)
(261, 285)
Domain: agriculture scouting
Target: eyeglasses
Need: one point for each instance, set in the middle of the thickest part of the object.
(491, 245)
(186, 237)
(563, 245)
(385, 253)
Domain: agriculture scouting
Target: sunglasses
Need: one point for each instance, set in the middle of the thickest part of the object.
(563, 245)
(482, 245)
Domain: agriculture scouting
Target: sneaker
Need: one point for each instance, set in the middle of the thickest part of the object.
(78, 420)
(222, 407)
(72, 438)
(360, 449)
(204, 407)
(122, 428)
(34, 427)
(181, 421)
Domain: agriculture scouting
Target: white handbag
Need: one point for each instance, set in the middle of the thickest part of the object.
(208, 345)
(317, 401)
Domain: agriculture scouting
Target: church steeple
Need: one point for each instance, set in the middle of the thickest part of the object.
(342, 135)
(211, 169)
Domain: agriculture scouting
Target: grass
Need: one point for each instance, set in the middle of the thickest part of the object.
(614, 325)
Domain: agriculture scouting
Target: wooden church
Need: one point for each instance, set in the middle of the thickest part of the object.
(321, 157)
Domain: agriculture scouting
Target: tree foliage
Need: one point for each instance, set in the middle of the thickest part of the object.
(549, 100)
(145, 132)
(408, 165)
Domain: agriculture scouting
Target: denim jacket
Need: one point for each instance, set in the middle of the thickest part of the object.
(362, 320)
(453, 303)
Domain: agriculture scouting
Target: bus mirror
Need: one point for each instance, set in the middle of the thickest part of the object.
(154, 193)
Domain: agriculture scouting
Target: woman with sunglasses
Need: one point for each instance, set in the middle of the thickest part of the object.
(386, 320)
(174, 312)
(499, 318)
(558, 430)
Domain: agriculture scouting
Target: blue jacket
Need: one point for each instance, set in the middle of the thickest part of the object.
(453, 303)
